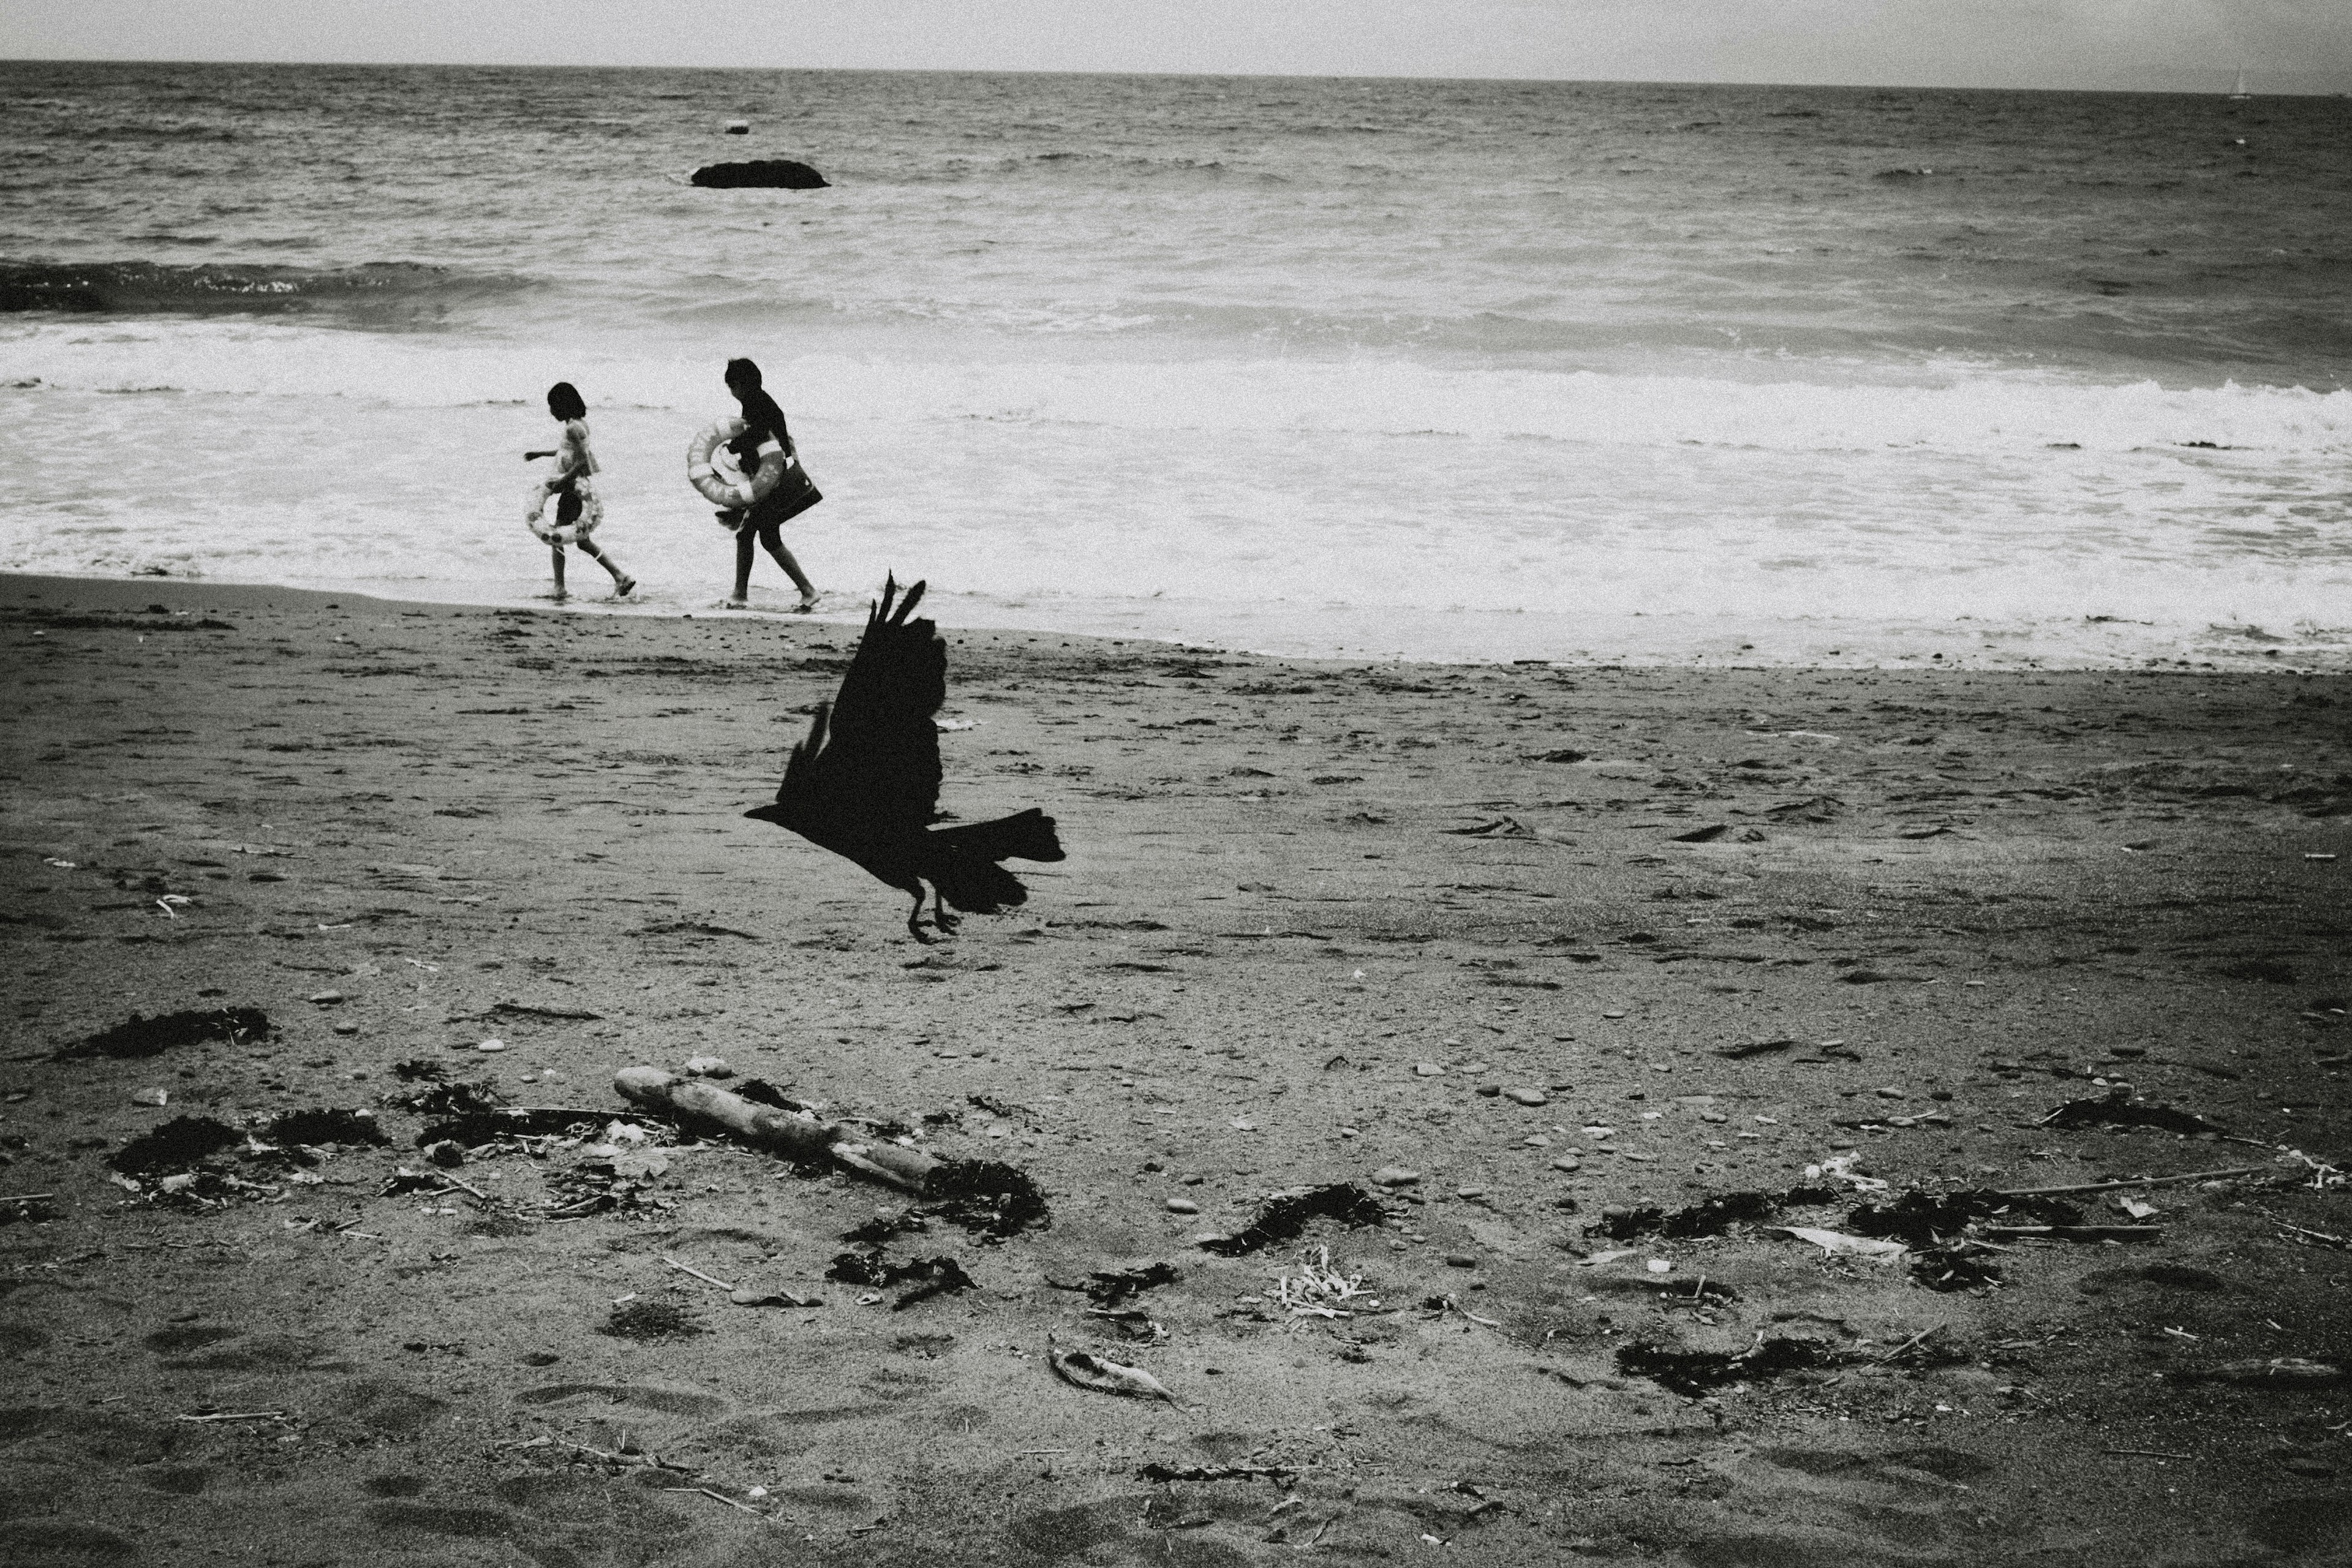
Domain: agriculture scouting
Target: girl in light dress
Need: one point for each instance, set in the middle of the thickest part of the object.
(573, 487)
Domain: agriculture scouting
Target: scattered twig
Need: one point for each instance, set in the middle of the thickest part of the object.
(237, 1416)
(26, 1197)
(2080, 1232)
(719, 1496)
(2134, 1181)
(698, 1274)
(2148, 1453)
(463, 1185)
(2325, 1238)
(1908, 1343)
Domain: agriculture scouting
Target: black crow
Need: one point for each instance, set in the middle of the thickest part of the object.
(865, 783)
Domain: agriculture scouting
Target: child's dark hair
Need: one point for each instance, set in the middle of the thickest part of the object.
(742, 373)
(564, 402)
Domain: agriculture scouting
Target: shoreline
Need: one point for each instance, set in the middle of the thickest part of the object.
(1564, 944)
(2231, 649)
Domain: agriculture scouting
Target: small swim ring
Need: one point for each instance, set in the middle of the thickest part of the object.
(545, 506)
(716, 484)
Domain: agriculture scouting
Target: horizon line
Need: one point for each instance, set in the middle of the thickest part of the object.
(2221, 92)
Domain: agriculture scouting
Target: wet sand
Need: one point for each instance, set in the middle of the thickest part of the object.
(1318, 922)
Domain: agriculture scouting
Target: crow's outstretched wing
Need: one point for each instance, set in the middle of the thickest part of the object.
(872, 757)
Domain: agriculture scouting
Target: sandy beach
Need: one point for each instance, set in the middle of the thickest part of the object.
(1520, 950)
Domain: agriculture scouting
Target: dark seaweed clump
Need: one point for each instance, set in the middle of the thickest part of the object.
(1710, 1217)
(1921, 1220)
(991, 1200)
(1696, 1372)
(324, 1125)
(1287, 1214)
(932, 1275)
(153, 1037)
(1110, 1288)
(178, 1144)
(647, 1321)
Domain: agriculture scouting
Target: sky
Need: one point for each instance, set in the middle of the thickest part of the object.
(2190, 45)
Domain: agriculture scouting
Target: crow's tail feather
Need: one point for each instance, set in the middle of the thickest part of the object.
(1023, 836)
(977, 887)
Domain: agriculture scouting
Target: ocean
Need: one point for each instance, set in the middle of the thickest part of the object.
(1452, 370)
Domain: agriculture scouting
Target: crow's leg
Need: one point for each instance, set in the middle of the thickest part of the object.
(939, 916)
(915, 918)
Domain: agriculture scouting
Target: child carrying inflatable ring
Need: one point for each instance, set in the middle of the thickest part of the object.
(572, 486)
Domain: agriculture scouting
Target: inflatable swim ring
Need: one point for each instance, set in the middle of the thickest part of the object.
(541, 509)
(727, 486)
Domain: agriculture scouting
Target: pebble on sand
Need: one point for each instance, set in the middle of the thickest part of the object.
(1427, 1069)
(1568, 1162)
(1395, 1176)
(1528, 1096)
(1182, 1205)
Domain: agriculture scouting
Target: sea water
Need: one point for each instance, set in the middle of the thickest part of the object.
(1441, 369)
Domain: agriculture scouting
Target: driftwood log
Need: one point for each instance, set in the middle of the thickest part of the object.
(784, 1132)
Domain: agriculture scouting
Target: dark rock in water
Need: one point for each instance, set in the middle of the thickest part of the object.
(761, 174)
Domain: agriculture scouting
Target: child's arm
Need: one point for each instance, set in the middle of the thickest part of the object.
(528, 457)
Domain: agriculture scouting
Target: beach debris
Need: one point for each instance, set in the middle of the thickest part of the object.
(1320, 1290)
(1501, 827)
(1156, 1471)
(746, 1296)
(1693, 1372)
(142, 1037)
(2276, 1372)
(1839, 1244)
(1084, 1369)
(649, 1321)
(1755, 1048)
(1922, 1220)
(1839, 1172)
(2117, 1109)
(1710, 1217)
(525, 1010)
(325, 1127)
(708, 1067)
(2174, 1180)
(1109, 1287)
(931, 1276)
(794, 1135)
(1285, 1215)
(991, 1200)
(177, 1145)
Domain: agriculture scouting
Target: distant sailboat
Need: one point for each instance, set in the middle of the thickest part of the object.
(2238, 93)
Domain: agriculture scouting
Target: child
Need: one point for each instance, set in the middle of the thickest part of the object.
(761, 523)
(578, 509)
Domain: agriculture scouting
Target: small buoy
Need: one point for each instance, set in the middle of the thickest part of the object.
(739, 128)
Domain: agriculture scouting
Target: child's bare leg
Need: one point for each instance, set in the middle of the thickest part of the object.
(622, 581)
(775, 541)
(557, 551)
(743, 544)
